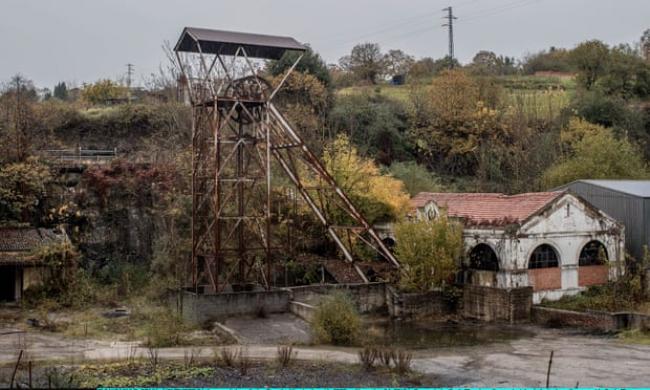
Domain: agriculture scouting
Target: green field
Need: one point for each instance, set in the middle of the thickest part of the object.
(539, 96)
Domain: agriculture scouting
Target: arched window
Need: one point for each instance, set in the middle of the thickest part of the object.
(482, 257)
(544, 256)
(594, 253)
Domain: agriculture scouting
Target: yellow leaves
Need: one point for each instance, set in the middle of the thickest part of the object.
(579, 128)
(360, 178)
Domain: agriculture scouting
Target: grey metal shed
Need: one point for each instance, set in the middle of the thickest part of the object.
(628, 201)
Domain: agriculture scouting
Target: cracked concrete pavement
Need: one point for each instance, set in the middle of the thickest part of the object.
(586, 360)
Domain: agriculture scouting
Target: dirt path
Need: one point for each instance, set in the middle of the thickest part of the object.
(589, 360)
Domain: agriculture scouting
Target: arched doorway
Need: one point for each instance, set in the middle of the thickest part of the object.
(544, 268)
(593, 268)
(483, 258)
(483, 266)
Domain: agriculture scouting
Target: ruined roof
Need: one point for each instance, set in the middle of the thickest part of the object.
(26, 239)
(221, 42)
(487, 209)
(640, 188)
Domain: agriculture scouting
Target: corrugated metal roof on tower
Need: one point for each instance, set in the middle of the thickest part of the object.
(227, 43)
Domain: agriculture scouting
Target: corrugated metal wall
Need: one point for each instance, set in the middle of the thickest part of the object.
(625, 208)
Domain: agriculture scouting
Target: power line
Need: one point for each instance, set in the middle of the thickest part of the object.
(496, 10)
(129, 74)
(450, 24)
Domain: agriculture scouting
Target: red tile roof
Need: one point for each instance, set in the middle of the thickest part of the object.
(489, 209)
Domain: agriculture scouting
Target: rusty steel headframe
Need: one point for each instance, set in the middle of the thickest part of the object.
(237, 134)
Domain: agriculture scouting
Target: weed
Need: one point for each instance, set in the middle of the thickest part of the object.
(386, 355)
(189, 357)
(403, 361)
(285, 355)
(57, 379)
(244, 363)
(227, 357)
(367, 357)
(153, 358)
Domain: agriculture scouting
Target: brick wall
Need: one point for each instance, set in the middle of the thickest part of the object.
(496, 304)
(592, 275)
(545, 278)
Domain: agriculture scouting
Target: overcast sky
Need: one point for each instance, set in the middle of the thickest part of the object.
(84, 40)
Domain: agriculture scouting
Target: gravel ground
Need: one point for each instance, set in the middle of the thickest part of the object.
(259, 374)
(306, 375)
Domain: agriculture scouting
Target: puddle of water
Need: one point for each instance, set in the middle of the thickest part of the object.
(423, 335)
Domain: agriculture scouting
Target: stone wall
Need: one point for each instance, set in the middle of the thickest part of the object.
(497, 304)
(200, 308)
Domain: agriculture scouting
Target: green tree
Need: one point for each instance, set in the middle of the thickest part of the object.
(595, 153)
(555, 60)
(591, 60)
(416, 178)
(311, 63)
(397, 62)
(61, 91)
(374, 123)
(22, 189)
(18, 120)
(429, 252)
(102, 92)
(366, 62)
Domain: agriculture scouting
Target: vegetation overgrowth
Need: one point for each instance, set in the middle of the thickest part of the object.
(385, 124)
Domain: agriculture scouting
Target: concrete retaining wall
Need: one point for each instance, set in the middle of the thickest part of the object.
(596, 321)
(497, 304)
(200, 308)
(419, 305)
(302, 310)
(368, 298)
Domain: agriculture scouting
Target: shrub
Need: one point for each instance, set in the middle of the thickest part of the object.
(336, 321)
(165, 330)
(429, 252)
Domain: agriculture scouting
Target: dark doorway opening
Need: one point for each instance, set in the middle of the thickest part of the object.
(482, 257)
(7, 283)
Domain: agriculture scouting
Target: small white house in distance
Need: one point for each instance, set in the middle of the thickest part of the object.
(555, 242)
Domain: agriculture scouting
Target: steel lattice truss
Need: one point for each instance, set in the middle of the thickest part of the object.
(238, 134)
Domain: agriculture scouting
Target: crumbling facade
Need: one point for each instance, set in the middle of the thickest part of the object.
(555, 242)
(20, 269)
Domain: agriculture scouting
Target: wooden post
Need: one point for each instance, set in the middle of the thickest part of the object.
(548, 372)
(13, 374)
